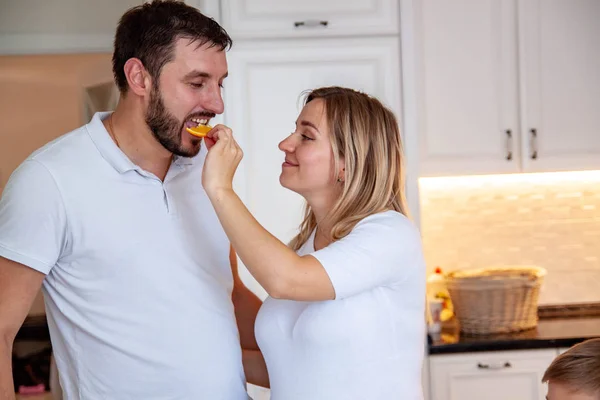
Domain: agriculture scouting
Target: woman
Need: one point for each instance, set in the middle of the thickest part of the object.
(345, 313)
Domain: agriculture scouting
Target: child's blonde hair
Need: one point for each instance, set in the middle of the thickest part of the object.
(578, 368)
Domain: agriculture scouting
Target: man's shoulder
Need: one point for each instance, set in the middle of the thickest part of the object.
(63, 149)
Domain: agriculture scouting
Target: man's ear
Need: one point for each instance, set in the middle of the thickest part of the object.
(138, 78)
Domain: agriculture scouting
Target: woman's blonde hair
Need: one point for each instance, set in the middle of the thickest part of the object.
(366, 135)
(578, 368)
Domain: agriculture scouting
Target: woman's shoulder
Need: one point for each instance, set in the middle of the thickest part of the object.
(389, 221)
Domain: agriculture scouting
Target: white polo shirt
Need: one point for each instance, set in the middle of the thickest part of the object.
(138, 285)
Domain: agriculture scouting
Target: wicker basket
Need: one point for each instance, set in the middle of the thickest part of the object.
(496, 299)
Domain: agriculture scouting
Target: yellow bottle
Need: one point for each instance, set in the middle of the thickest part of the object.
(436, 289)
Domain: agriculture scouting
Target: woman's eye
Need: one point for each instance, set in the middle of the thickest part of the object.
(304, 137)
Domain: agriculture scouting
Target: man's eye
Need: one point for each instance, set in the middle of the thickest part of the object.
(197, 85)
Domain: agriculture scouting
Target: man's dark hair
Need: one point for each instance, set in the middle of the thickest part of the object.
(149, 32)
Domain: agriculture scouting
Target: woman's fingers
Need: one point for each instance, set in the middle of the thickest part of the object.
(222, 159)
(224, 135)
(220, 132)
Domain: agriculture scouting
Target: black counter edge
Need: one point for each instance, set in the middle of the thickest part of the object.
(504, 345)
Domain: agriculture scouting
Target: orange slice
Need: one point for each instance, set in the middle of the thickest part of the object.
(200, 130)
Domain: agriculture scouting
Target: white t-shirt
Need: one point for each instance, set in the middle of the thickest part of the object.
(138, 285)
(369, 342)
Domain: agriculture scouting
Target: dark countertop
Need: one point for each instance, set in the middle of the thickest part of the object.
(550, 333)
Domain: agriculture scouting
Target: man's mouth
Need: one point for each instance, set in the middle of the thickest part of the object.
(194, 122)
(198, 126)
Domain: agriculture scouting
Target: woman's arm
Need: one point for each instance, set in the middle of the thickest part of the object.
(281, 272)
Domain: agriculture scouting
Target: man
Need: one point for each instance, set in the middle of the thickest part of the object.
(112, 220)
(575, 374)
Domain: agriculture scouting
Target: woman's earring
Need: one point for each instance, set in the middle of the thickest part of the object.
(340, 179)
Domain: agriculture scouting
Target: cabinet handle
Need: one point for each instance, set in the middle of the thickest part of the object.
(311, 23)
(509, 153)
(534, 152)
(494, 366)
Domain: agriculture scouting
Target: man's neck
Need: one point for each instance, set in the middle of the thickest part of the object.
(131, 134)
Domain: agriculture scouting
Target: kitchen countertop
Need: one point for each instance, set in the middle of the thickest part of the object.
(550, 333)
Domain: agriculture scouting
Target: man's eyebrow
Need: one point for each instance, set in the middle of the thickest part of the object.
(197, 74)
(201, 74)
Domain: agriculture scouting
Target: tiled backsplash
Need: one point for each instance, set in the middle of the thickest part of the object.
(551, 220)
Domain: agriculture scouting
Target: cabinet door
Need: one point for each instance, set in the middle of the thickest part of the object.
(468, 106)
(293, 18)
(67, 26)
(510, 375)
(561, 84)
(263, 99)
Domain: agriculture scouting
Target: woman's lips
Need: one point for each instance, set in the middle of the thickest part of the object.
(287, 163)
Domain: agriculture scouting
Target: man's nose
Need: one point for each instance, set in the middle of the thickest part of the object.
(214, 101)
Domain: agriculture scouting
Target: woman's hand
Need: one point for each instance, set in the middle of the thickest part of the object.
(224, 156)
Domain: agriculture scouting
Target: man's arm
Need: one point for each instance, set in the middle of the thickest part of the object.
(18, 287)
(246, 306)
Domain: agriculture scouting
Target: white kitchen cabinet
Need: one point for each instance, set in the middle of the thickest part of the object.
(68, 26)
(560, 64)
(263, 99)
(502, 375)
(507, 85)
(293, 18)
(469, 87)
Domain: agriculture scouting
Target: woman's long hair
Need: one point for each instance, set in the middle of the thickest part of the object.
(366, 134)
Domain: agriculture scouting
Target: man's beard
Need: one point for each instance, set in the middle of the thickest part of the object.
(167, 129)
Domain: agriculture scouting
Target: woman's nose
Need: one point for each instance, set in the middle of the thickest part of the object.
(287, 145)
